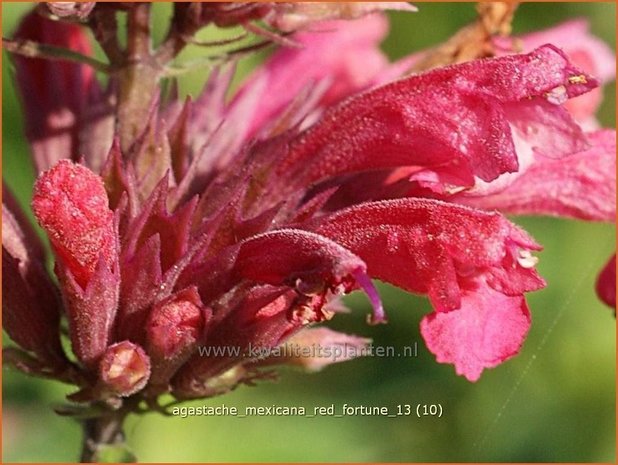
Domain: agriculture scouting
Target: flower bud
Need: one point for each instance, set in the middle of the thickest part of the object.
(55, 94)
(174, 327)
(79, 10)
(124, 368)
(30, 304)
(71, 205)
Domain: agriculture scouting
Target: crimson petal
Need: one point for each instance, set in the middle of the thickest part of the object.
(428, 246)
(450, 118)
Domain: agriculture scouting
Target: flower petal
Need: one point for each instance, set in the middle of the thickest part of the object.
(71, 205)
(450, 119)
(315, 348)
(486, 330)
(124, 369)
(312, 264)
(428, 246)
(582, 185)
(585, 51)
(344, 52)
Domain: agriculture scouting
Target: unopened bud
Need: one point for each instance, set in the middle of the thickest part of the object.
(79, 10)
(124, 368)
(71, 204)
(174, 328)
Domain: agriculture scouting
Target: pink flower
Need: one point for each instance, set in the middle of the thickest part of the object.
(584, 50)
(228, 226)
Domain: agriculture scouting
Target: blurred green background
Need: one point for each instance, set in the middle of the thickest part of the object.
(554, 402)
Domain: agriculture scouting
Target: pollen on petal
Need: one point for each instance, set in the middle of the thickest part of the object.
(71, 205)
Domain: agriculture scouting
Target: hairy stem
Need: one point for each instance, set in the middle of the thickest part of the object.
(105, 29)
(100, 432)
(185, 24)
(139, 77)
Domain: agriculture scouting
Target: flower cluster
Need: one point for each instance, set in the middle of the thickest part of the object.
(239, 223)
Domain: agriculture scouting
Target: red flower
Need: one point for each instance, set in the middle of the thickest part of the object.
(234, 225)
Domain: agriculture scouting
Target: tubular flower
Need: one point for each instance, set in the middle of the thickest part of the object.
(229, 225)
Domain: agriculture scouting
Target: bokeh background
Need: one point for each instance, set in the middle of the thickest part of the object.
(554, 402)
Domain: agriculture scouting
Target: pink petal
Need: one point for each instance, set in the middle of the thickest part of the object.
(606, 283)
(174, 323)
(450, 119)
(582, 185)
(586, 52)
(344, 52)
(428, 246)
(486, 330)
(546, 128)
(315, 348)
(71, 205)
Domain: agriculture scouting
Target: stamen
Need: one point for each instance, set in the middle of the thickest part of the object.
(526, 259)
(378, 310)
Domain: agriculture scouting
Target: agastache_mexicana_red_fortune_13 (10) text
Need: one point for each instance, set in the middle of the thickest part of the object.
(210, 222)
